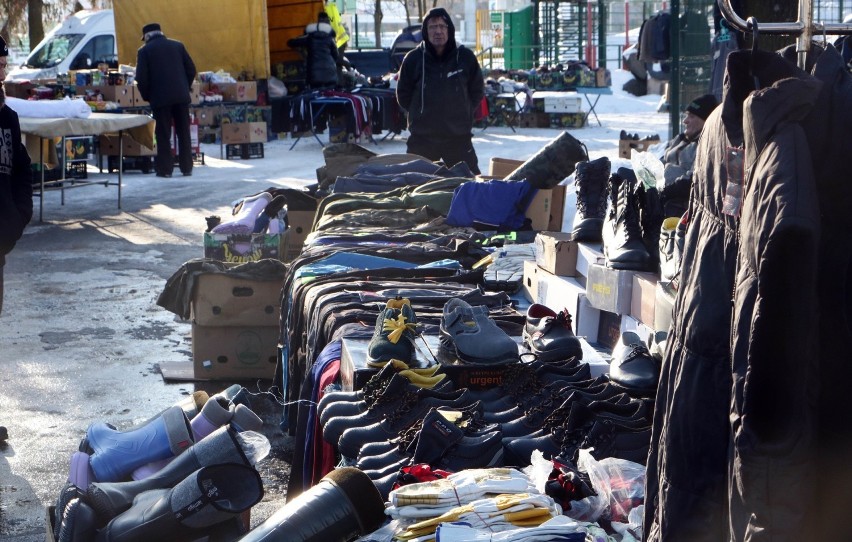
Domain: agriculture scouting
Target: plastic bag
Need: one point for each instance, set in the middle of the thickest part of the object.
(620, 487)
(648, 169)
(277, 88)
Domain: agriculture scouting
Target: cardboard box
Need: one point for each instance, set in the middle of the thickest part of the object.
(546, 209)
(610, 289)
(195, 92)
(224, 300)
(241, 248)
(603, 77)
(206, 116)
(567, 120)
(241, 91)
(123, 95)
(643, 298)
(299, 224)
(501, 167)
(563, 102)
(609, 329)
(530, 283)
(234, 352)
(138, 101)
(534, 119)
(556, 253)
(588, 254)
(244, 132)
(354, 371)
(663, 308)
(655, 86)
(130, 147)
(625, 146)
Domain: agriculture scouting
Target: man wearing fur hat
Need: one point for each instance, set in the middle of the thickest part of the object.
(16, 189)
(440, 87)
(164, 75)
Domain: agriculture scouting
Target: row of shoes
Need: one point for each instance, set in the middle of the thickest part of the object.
(628, 217)
(253, 214)
(186, 471)
(623, 135)
(405, 416)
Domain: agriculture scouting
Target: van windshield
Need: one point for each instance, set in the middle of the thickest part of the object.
(53, 51)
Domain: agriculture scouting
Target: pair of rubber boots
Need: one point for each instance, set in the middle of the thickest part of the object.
(114, 455)
(211, 482)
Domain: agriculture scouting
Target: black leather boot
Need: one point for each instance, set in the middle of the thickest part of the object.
(590, 182)
(221, 446)
(623, 246)
(208, 497)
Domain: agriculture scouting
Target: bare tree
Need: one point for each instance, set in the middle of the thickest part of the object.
(378, 15)
(36, 21)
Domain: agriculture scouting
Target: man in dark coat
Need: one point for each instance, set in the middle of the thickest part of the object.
(16, 189)
(441, 86)
(320, 48)
(164, 74)
(680, 150)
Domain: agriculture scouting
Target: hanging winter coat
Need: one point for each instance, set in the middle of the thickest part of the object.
(687, 476)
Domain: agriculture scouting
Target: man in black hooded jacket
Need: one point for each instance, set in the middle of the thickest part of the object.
(440, 86)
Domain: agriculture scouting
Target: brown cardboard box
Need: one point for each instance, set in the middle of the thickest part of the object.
(556, 253)
(206, 116)
(234, 352)
(643, 298)
(500, 167)
(609, 289)
(626, 145)
(130, 147)
(299, 226)
(530, 285)
(138, 101)
(195, 92)
(546, 209)
(241, 91)
(603, 77)
(119, 94)
(244, 132)
(223, 300)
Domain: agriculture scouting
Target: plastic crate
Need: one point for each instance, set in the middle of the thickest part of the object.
(243, 151)
(76, 169)
(145, 164)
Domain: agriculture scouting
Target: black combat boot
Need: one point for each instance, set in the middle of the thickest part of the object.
(623, 246)
(590, 182)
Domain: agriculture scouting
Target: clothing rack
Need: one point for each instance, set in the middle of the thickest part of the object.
(804, 28)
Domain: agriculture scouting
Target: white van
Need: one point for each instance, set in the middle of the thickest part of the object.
(83, 40)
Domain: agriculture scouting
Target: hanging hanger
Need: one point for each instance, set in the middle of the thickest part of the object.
(752, 26)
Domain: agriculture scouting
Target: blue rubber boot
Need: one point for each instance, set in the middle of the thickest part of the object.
(116, 454)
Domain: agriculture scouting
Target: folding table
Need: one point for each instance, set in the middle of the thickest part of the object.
(597, 92)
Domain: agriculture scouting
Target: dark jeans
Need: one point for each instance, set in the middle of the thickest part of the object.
(164, 117)
(450, 150)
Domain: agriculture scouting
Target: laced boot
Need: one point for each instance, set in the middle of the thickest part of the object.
(394, 334)
(564, 439)
(411, 408)
(622, 231)
(590, 182)
(505, 412)
(206, 498)
(608, 438)
(672, 235)
(554, 409)
(550, 335)
(651, 217)
(519, 378)
(397, 389)
(352, 403)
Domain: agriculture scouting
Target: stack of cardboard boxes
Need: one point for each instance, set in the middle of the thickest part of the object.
(235, 324)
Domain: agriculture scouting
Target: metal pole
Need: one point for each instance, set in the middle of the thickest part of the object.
(674, 80)
(803, 41)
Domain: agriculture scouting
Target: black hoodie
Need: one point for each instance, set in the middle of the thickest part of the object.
(440, 93)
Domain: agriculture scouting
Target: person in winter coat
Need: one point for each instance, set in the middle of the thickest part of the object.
(16, 189)
(164, 75)
(441, 86)
(321, 52)
(680, 150)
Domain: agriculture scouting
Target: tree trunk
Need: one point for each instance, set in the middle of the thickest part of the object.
(36, 23)
(774, 11)
(377, 23)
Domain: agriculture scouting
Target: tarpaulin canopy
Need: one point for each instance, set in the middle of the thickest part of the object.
(218, 34)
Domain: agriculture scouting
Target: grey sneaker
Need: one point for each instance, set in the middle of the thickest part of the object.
(468, 335)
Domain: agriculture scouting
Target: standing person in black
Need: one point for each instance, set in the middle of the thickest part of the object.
(441, 86)
(319, 44)
(164, 74)
(16, 189)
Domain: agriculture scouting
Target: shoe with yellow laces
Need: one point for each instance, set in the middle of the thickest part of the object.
(394, 335)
